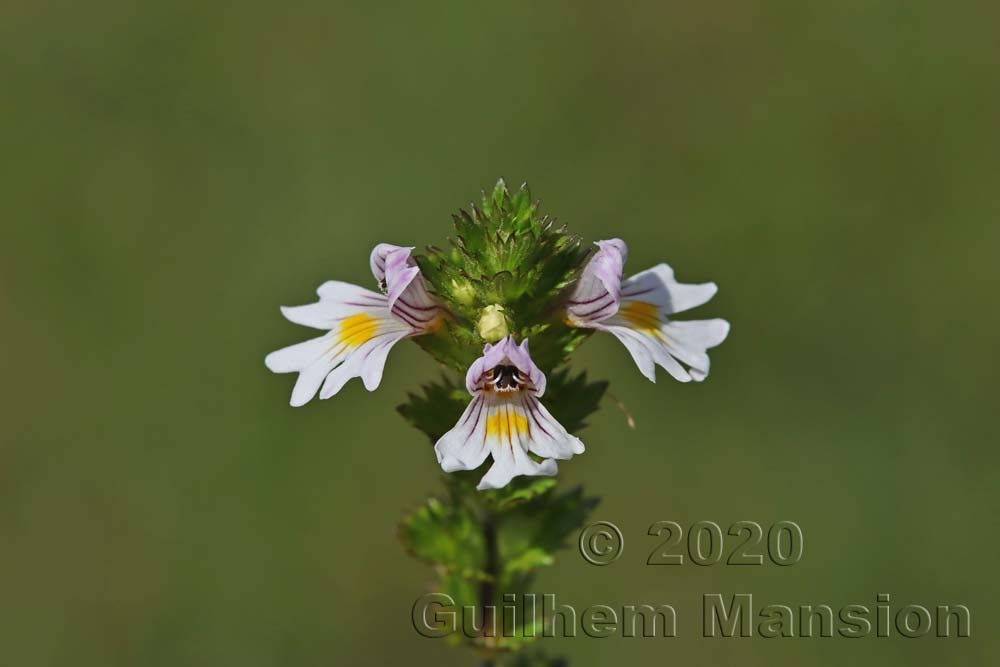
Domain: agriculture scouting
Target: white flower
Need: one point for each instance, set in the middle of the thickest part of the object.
(506, 420)
(636, 311)
(362, 326)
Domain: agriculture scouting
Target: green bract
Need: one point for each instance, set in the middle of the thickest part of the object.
(505, 261)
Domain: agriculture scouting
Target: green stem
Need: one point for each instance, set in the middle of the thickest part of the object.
(487, 589)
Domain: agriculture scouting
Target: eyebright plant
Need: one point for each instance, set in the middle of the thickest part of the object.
(504, 307)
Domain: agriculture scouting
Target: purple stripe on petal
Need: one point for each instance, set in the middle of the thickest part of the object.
(529, 404)
(606, 301)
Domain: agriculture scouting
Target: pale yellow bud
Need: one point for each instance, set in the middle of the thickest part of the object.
(493, 324)
(463, 292)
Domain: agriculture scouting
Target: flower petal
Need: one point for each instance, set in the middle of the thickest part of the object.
(521, 358)
(379, 257)
(373, 365)
(657, 286)
(309, 360)
(407, 294)
(366, 361)
(598, 290)
(296, 357)
(547, 437)
(509, 436)
(513, 463)
(464, 447)
(668, 343)
(309, 380)
(689, 341)
(337, 300)
(637, 347)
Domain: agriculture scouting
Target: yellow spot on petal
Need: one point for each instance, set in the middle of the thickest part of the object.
(357, 330)
(505, 424)
(641, 315)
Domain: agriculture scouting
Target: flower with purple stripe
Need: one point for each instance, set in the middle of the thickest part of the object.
(638, 312)
(506, 420)
(361, 327)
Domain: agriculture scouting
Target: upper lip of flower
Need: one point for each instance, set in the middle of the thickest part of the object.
(598, 289)
(398, 276)
(506, 353)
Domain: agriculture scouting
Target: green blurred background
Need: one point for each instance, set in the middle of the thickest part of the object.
(174, 171)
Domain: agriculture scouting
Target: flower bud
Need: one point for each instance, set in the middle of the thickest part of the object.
(492, 324)
(463, 292)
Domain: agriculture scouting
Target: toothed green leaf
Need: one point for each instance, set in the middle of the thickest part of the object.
(445, 534)
(572, 398)
(437, 408)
